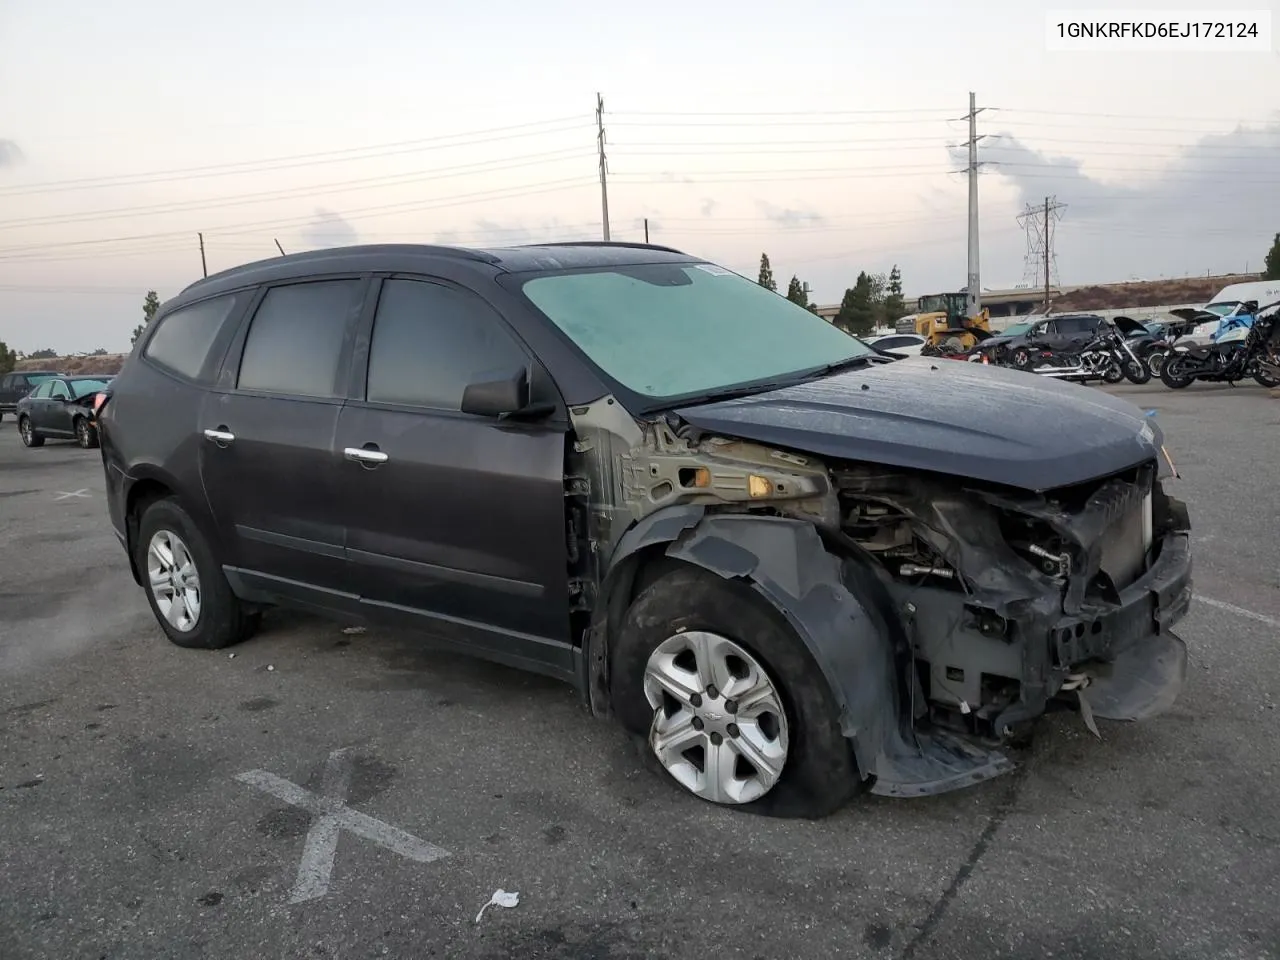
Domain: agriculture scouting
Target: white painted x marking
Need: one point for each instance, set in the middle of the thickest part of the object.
(332, 816)
(62, 495)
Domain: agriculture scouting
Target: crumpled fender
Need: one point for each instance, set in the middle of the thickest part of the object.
(848, 637)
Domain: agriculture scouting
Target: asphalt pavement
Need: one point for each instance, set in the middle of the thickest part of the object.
(329, 793)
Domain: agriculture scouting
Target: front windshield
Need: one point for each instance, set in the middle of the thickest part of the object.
(674, 330)
(82, 388)
(1222, 309)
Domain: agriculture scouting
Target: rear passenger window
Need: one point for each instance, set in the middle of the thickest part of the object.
(182, 340)
(295, 339)
(430, 341)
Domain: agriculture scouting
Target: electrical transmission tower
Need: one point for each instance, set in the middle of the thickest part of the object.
(1041, 263)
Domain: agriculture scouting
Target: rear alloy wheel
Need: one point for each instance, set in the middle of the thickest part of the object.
(185, 585)
(28, 432)
(1171, 373)
(723, 697)
(1021, 358)
(86, 433)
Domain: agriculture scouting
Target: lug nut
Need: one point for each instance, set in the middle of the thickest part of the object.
(733, 729)
(716, 739)
(711, 691)
(731, 706)
(696, 699)
(697, 723)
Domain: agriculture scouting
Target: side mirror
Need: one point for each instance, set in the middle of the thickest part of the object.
(497, 395)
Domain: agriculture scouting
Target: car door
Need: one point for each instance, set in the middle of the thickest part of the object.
(57, 410)
(455, 522)
(40, 404)
(266, 441)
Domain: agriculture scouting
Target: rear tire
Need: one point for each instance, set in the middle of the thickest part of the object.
(1155, 362)
(1021, 358)
(29, 436)
(816, 774)
(188, 592)
(1170, 376)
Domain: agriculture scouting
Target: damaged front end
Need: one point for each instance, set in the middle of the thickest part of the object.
(944, 615)
(1011, 601)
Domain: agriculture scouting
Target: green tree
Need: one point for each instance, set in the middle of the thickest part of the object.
(150, 304)
(48, 353)
(8, 358)
(100, 352)
(1271, 269)
(796, 293)
(894, 305)
(857, 314)
(766, 274)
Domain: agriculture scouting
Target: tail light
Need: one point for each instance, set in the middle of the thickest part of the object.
(99, 401)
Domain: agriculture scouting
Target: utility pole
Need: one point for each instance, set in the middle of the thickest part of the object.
(973, 299)
(646, 229)
(203, 266)
(1048, 249)
(1038, 220)
(604, 186)
(280, 248)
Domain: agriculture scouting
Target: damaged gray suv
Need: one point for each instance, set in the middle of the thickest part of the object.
(791, 566)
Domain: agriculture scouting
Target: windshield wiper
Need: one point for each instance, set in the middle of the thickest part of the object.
(850, 363)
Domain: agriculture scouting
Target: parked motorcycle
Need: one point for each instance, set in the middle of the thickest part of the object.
(1160, 346)
(1256, 356)
(1108, 357)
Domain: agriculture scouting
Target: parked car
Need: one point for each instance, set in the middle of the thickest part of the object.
(898, 344)
(17, 384)
(996, 347)
(61, 407)
(770, 552)
(1068, 333)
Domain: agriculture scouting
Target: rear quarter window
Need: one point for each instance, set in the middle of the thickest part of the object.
(182, 340)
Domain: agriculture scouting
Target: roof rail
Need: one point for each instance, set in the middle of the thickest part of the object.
(609, 243)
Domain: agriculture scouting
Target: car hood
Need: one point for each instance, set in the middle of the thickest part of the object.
(969, 420)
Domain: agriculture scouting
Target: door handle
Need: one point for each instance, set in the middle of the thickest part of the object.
(361, 455)
(219, 436)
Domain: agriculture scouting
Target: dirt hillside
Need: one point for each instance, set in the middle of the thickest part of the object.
(1147, 293)
(77, 366)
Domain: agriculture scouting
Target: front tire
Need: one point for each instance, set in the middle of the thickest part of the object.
(1155, 362)
(28, 433)
(188, 592)
(86, 434)
(730, 704)
(1136, 371)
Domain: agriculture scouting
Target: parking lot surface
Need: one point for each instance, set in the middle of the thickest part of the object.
(162, 802)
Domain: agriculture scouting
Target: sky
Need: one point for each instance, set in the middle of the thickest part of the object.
(824, 134)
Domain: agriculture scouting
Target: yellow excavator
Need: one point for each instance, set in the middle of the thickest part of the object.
(943, 321)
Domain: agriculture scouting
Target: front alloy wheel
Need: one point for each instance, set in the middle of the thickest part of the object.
(174, 580)
(719, 727)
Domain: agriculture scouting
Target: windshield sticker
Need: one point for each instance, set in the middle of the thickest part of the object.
(715, 271)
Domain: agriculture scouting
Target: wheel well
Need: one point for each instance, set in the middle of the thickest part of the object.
(141, 495)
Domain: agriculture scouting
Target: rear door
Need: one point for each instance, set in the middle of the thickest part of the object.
(266, 440)
(40, 402)
(461, 527)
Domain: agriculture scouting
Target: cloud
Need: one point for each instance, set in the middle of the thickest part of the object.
(10, 153)
(329, 229)
(1150, 210)
(789, 216)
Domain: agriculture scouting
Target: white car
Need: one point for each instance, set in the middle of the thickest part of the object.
(901, 344)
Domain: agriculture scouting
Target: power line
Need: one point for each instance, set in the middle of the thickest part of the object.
(307, 192)
(299, 160)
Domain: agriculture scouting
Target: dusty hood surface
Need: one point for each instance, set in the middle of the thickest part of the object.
(970, 420)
